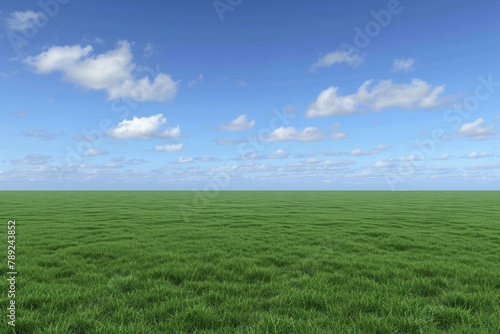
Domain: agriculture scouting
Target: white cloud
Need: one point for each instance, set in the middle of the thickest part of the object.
(359, 152)
(241, 123)
(309, 134)
(92, 152)
(19, 21)
(278, 154)
(143, 128)
(445, 156)
(403, 65)
(475, 130)
(474, 155)
(184, 160)
(196, 81)
(386, 94)
(169, 148)
(338, 57)
(110, 71)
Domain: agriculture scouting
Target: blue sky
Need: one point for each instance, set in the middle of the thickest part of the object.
(220, 95)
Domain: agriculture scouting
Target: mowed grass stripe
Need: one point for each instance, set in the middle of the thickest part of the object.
(255, 262)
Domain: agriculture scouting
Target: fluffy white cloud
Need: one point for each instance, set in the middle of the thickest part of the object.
(93, 151)
(476, 130)
(474, 155)
(169, 148)
(386, 94)
(110, 71)
(309, 134)
(19, 21)
(403, 65)
(338, 57)
(143, 128)
(241, 123)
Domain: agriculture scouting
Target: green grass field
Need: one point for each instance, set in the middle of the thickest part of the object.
(254, 262)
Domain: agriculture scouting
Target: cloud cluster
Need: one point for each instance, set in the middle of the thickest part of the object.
(111, 71)
(384, 95)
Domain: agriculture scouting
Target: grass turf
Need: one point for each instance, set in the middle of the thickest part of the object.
(254, 262)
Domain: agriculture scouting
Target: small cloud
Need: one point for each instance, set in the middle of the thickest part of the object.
(49, 100)
(19, 21)
(93, 152)
(241, 123)
(169, 148)
(43, 134)
(382, 164)
(476, 130)
(475, 155)
(403, 65)
(278, 154)
(144, 128)
(196, 81)
(338, 57)
(445, 156)
(32, 159)
(98, 40)
(184, 160)
(20, 114)
(309, 134)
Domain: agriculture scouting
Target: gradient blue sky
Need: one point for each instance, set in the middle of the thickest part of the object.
(250, 95)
